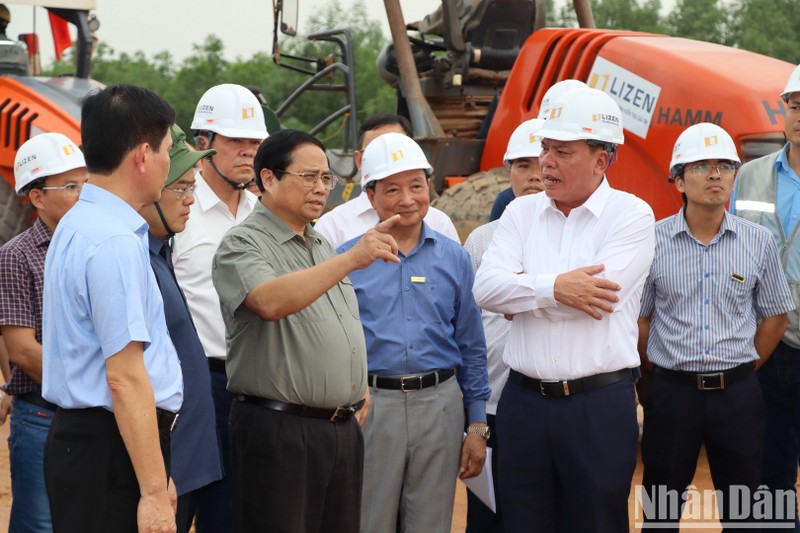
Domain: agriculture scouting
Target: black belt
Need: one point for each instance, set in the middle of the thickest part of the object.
(564, 388)
(708, 380)
(166, 419)
(337, 415)
(36, 399)
(410, 383)
(216, 365)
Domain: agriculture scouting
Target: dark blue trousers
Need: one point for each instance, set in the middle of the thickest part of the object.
(780, 384)
(678, 419)
(214, 502)
(567, 463)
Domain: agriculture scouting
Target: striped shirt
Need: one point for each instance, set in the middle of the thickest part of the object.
(495, 326)
(704, 300)
(22, 280)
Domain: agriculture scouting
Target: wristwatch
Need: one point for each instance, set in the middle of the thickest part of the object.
(482, 431)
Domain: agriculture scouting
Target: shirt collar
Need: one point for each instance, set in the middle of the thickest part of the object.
(782, 161)
(679, 224)
(40, 233)
(361, 203)
(206, 198)
(278, 228)
(115, 205)
(154, 244)
(594, 204)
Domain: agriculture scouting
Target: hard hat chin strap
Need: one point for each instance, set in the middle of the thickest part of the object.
(233, 184)
(170, 233)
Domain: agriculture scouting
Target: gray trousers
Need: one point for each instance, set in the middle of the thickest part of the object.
(412, 448)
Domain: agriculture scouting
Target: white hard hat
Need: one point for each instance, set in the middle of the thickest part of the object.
(793, 85)
(700, 142)
(555, 92)
(584, 114)
(232, 111)
(525, 141)
(390, 154)
(45, 155)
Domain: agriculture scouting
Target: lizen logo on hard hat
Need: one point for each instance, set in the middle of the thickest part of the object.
(534, 138)
(68, 149)
(398, 155)
(710, 141)
(555, 112)
(248, 112)
(605, 117)
(25, 160)
(205, 108)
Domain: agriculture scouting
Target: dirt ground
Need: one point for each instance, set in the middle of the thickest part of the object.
(702, 481)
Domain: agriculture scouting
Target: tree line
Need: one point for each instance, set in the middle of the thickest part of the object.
(765, 26)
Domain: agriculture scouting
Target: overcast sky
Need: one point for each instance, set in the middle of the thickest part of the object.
(245, 26)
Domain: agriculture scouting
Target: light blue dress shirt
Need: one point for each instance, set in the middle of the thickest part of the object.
(100, 294)
(420, 315)
(788, 193)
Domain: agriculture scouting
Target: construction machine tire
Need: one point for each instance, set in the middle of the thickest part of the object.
(14, 213)
(469, 203)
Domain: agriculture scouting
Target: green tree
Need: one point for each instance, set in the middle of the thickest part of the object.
(703, 20)
(768, 27)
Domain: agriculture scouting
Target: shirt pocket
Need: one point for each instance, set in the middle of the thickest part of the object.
(737, 293)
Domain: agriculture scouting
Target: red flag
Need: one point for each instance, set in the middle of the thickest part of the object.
(61, 37)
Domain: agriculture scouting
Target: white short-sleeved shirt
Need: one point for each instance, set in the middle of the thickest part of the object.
(193, 253)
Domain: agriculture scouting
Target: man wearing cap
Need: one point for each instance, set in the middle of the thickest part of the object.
(296, 357)
(767, 192)
(229, 119)
(50, 170)
(522, 161)
(569, 266)
(714, 277)
(107, 358)
(356, 216)
(194, 449)
(422, 327)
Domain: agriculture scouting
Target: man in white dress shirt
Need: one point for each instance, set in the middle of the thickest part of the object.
(229, 119)
(355, 217)
(570, 265)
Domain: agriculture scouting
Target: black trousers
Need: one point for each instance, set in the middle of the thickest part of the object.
(567, 463)
(90, 479)
(678, 419)
(294, 474)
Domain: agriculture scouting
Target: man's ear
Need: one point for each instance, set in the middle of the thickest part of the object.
(139, 157)
(201, 141)
(267, 178)
(371, 195)
(36, 198)
(603, 160)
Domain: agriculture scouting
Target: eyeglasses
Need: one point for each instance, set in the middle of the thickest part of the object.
(310, 178)
(182, 192)
(725, 169)
(70, 188)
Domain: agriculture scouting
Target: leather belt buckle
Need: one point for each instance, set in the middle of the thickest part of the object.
(411, 379)
(543, 390)
(707, 381)
(343, 414)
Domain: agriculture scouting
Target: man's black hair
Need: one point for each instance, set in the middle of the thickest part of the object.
(380, 120)
(276, 152)
(119, 118)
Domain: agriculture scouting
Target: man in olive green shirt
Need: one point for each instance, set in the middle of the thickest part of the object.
(296, 351)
